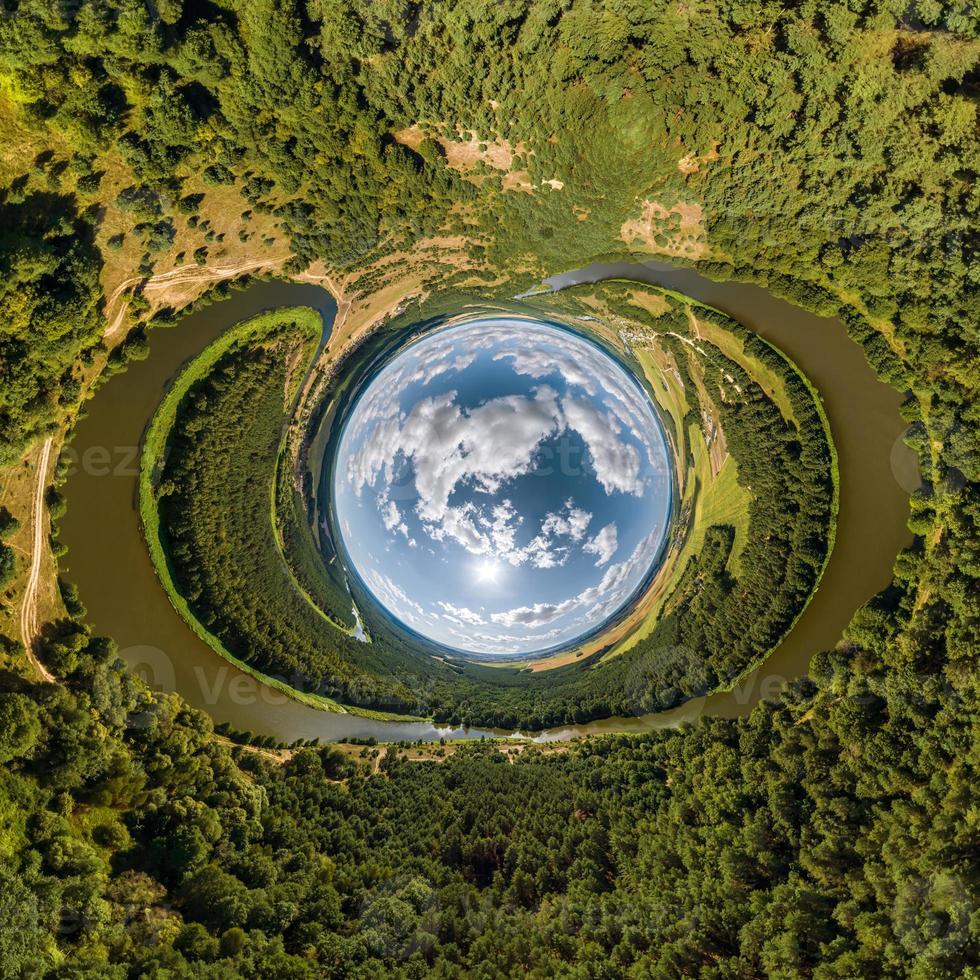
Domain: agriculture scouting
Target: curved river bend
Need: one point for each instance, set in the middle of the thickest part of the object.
(108, 561)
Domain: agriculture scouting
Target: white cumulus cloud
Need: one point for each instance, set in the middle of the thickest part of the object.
(462, 614)
(393, 596)
(616, 463)
(610, 593)
(603, 545)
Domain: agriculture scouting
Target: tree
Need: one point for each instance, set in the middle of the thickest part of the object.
(20, 727)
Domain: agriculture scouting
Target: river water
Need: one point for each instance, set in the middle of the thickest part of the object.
(108, 560)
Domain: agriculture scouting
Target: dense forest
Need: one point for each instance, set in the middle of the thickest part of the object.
(829, 152)
(822, 835)
(213, 494)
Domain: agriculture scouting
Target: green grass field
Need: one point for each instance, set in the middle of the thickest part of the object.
(715, 500)
(734, 349)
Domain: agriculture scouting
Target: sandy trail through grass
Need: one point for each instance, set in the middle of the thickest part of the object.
(28, 611)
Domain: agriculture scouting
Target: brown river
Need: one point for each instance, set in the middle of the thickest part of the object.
(108, 560)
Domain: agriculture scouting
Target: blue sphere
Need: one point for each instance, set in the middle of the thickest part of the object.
(502, 486)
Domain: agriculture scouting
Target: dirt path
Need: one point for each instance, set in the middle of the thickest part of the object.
(275, 755)
(182, 275)
(336, 289)
(28, 612)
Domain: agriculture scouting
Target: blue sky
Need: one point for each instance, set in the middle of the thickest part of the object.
(503, 486)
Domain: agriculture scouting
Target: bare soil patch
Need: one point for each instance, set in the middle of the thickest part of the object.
(469, 150)
(234, 238)
(677, 231)
(691, 163)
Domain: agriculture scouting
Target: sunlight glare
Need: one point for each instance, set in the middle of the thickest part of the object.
(488, 571)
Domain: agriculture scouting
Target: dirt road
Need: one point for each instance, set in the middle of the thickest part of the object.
(28, 612)
(158, 286)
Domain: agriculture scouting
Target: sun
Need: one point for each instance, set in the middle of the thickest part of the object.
(488, 571)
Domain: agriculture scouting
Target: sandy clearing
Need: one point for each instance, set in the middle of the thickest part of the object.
(681, 227)
(163, 287)
(470, 149)
(518, 180)
(465, 154)
(691, 163)
(462, 154)
(411, 136)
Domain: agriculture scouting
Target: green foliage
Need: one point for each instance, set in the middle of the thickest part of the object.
(237, 592)
(323, 581)
(19, 726)
(49, 292)
(215, 494)
(141, 202)
(8, 557)
(217, 174)
(596, 858)
(8, 563)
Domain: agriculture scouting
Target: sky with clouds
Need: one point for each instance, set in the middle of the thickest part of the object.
(503, 486)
